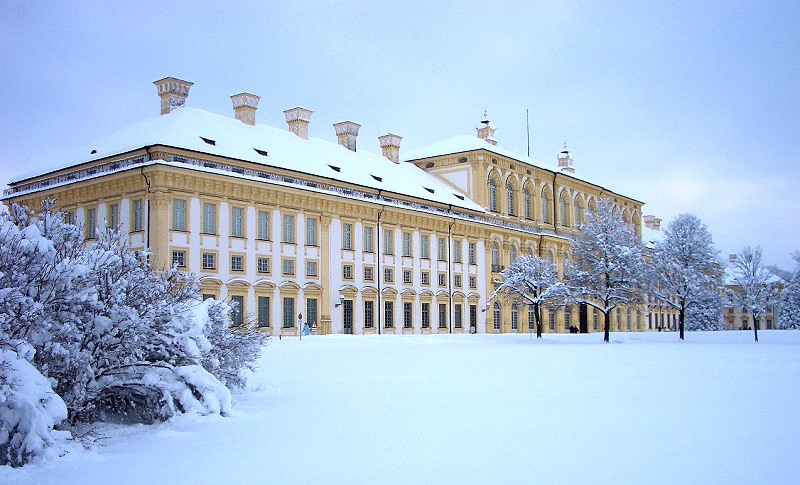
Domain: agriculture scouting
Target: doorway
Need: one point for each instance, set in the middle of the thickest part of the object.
(583, 315)
(348, 316)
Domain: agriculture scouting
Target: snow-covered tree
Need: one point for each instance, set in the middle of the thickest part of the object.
(533, 281)
(607, 269)
(706, 314)
(686, 272)
(789, 313)
(752, 289)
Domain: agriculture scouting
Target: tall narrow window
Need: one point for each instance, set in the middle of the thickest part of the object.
(407, 244)
(567, 319)
(114, 223)
(263, 311)
(369, 314)
(388, 314)
(496, 317)
(495, 257)
(288, 312)
(492, 195)
(368, 235)
(237, 312)
(388, 241)
(442, 315)
(578, 212)
(472, 259)
(531, 318)
(552, 320)
(178, 215)
(456, 251)
(512, 252)
(347, 236)
(237, 222)
(473, 317)
(426, 317)
(209, 218)
(288, 229)
(526, 202)
(311, 232)
(263, 225)
(311, 310)
(408, 322)
(457, 315)
(441, 249)
(562, 201)
(510, 193)
(514, 318)
(545, 206)
(425, 246)
(137, 215)
(91, 223)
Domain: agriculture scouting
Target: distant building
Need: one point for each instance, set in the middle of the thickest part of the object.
(297, 229)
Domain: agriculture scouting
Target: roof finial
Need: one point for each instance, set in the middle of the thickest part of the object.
(565, 143)
(485, 114)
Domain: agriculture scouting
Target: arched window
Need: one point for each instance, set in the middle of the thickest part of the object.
(513, 252)
(496, 315)
(492, 195)
(562, 202)
(495, 257)
(526, 202)
(545, 206)
(510, 193)
(578, 212)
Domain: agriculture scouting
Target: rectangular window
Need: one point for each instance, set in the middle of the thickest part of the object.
(288, 312)
(263, 311)
(472, 253)
(311, 311)
(388, 241)
(209, 296)
(347, 271)
(287, 266)
(368, 273)
(425, 246)
(311, 232)
(442, 315)
(407, 276)
(426, 317)
(237, 222)
(237, 263)
(91, 223)
(567, 319)
(531, 318)
(473, 317)
(369, 313)
(368, 235)
(473, 282)
(138, 218)
(209, 218)
(388, 275)
(179, 259)
(311, 268)
(288, 229)
(114, 216)
(178, 215)
(69, 218)
(441, 253)
(263, 225)
(407, 244)
(388, 313)
(262, 265)
(457, 281)
(425, 277)
(442, 279)
(209, 261)
(456, 251)
(595, 318)
(552, 320)
(408, 321)
(237, 310)
(347, 236)
(457, 316)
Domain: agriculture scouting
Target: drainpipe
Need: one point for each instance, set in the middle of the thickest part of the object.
(450, 271)
(378, 262)
(147, 200)
(555, 203)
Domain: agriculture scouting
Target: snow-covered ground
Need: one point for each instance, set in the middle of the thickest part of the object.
(645, 408)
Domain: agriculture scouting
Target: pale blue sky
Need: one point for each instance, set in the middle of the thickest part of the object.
(689, 108)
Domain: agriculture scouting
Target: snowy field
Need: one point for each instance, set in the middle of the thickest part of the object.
(645, 408)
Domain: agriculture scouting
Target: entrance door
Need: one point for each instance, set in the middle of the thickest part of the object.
(348, 316)
(584, 318)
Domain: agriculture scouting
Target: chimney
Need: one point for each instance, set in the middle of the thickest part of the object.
(347, 132)
(652, 222)
(244, 107)
(390, 146)
(298, 119)
(565, 161)
(173, 93)
(486, 130)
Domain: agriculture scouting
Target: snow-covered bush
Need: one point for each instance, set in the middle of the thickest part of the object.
(789, 313)
(28, 409)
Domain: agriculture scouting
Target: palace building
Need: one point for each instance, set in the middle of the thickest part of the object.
(303, 230)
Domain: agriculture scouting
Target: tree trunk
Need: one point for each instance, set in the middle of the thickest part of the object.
(681, 317)
(538, 320)
(607, 326)
(755, 327)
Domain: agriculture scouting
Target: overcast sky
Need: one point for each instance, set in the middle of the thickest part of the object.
(691, 108)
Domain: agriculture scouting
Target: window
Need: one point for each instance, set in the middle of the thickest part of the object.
(514, 318)
(531, 318)
(178, 215)
(237, 310)
(425, 277)
(457, 281)
(209, 261)
(69, 217)
(262, 265)
(407, 244)
(510, 192)
(425, 246)
(311, 311)
(496, 317)
(237, 222)
(288, 312)
(562, 202)
(492, 195)
(457, 317)
(407, 315)
(91, 223)
(441, 249)
(513, 252)
(209, 218)
(526, 202)
(311, 268)
(137, 215)
(388, 276)
(209, 296)
(545, 206)
(311, 232)
(179, 259)
(237, 263)
(407, 276)
(473, 282)
(368, 273)
(369, 314)
(114, 216)
(552, 320)
(347, 271)
(473, 316)
(287, 235)
(578, 212)
(442, 315)
(495, 258)
(287, 266)
(426, 317)
(263, 311)
(388, 242)
(368, 234)
(471, 253)
(567, 319)
(456, 251)
(347, 236)
(442, 279)
(388, 314)
(263, 225)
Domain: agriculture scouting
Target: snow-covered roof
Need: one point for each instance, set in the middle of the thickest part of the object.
(204, 132)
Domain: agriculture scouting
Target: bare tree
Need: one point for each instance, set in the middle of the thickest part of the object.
(752, 291)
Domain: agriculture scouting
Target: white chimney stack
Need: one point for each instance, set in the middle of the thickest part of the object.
(347, 132)
(173, 93)
(390, 146)
(244, 107)
(298, 119)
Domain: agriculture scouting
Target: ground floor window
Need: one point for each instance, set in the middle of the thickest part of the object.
(311, 311)
(288, 312)
(369, 318)
(388, 314)
(514, 319)
(408, 322)
(237, 312)
(473, 316)
(263, 311)
(426, 319)
(442, 315)
(496, 315)
(552, 322)
(457, 315)
(531, 318)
